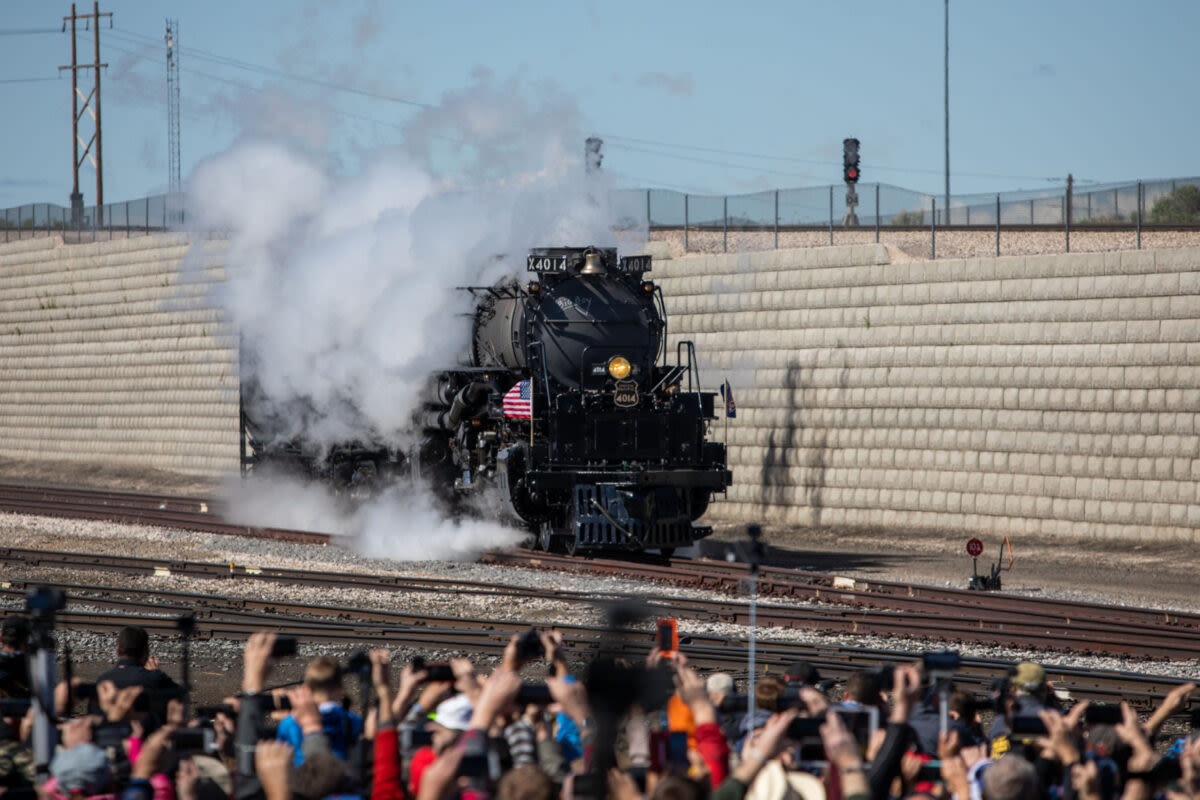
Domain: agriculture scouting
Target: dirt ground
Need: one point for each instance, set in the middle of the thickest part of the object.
(1158, 575)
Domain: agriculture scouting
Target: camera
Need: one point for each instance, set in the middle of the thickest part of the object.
(43, 601)
(537, 694)
(193, 741)
(804, 728)
(1102, 714)
(941, 666)
(1027, 727)
(530, 646)
(412, 738)
(284, 646)
(111, 734)
(359, 664)
(437, 672)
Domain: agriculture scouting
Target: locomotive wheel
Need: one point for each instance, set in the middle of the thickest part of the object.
(570, 544)
(545, 538)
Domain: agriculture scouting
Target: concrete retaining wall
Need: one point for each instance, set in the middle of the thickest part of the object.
(108, 355)
(1027, 395)
(1050, 395)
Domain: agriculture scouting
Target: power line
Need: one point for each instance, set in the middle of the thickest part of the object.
(27, 31)
(698, 160)
(28, 80)
(801, 161)
(265, 70)
(617, 140)
(715, 150)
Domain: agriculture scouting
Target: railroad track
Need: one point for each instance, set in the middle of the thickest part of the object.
(833, 604)
(185, 513)
(102, 609)
(931, 619)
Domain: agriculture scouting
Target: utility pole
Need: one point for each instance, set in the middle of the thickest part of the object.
(94, 110)
(173, 177)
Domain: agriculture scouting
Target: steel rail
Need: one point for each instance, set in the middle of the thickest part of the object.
(949, 625)
(927, 611)
(489, 637)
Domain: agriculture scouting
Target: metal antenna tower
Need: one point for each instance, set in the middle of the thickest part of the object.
(172, 39)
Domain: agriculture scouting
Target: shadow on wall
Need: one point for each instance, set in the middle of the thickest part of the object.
(777, 489)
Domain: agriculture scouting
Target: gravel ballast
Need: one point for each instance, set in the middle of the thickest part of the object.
(860, 555)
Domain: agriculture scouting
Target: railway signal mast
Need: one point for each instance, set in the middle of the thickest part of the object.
(850, 174)
(592, 155)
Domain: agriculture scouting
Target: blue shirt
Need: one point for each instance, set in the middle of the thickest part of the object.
(333, 721)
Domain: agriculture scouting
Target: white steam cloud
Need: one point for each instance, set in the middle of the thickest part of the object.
(342, 287)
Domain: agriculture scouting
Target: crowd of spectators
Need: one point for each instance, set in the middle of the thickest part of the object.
(618, 728)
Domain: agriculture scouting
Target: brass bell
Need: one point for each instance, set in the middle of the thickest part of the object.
(593, 264)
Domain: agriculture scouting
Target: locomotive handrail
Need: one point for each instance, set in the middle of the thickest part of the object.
(545, 375)
(507, 291)
(670, 375)
(662, 315)
(692, 366)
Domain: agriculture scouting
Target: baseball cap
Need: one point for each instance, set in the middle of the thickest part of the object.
(1029, 676)
(454, 713)
(82, 768)
(720, 682)
(802, 672)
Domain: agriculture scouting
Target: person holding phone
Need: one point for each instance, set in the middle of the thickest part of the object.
(1028, 693)
(323, 680)
(710, 739)
(136, 667)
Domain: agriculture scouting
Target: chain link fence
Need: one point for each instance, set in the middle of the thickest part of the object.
(880, 207)
(88, 224)
(1124, 206)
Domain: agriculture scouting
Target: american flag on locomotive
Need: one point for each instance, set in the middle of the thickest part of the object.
(518, 401)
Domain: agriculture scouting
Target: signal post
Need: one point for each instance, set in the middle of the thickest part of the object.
(850, 174)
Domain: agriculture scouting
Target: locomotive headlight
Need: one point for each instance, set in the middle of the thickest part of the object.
(619, 367)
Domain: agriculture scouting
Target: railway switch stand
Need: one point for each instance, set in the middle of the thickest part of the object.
(990, 582)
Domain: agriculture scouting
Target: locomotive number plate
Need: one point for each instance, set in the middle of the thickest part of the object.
(625, 394)
(546, 263)
(635, 264)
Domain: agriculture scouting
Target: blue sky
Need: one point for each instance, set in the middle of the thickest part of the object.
(704, 97)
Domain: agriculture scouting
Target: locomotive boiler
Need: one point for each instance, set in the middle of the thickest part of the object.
(570, 409)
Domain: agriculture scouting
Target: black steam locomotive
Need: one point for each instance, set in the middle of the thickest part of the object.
(569, 408)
